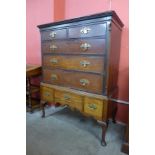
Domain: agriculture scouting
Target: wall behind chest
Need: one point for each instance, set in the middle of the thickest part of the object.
(37, 12)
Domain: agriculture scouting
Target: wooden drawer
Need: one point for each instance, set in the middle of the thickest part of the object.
(78, 46)
(67, 98)
(87, 46)
(47, 94)
(93, 107)
(54, 46)
(78, 80)
(81, 63)
(53, 34)
(87, 31)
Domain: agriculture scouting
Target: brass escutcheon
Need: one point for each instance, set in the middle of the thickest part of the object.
(84, 63)
(54, 61)
(47, 94)
(53, 47)
(92, 106)
(54, 77)
(52, 34)
(66, 97)
(84, 82)
(85, 46)
(85, 30)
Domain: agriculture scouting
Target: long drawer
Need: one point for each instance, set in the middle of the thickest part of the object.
(87, 31)
(81, 63)
(77, 46)
(78, 80)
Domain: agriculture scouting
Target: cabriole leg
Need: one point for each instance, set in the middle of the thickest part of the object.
(104, 126)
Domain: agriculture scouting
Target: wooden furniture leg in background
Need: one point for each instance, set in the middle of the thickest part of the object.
(114, 112)
(125, 145)
(42, 105)
(32, 89)
(28, 87)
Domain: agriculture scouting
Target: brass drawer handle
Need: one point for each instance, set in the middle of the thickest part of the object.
(53, 47)
(54, 61)
(66, 97)
(85, 30)
(92, 106)
(54, 77)
(84, 63)
(47, 94)
(84, 82)
(52, 34)
(85, 46)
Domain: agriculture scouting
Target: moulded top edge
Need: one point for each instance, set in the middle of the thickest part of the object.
(94, 16)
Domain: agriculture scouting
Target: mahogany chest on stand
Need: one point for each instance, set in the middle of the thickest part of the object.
(80, 60)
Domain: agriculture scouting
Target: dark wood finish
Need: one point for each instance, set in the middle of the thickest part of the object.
(113, 57)
(125, 145)
(125, 148)
(33, 70)
(31, 89)
(54, 34)
(81, 65)
(110, 14)
(65, 78)
(87, 31)
(54, 46)
(97, 46)
(104, 126)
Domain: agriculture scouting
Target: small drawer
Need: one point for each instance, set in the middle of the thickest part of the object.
(67, 98)
(80, 63)
(47, 94)
(54, 46)
(53, 34)
(87, 46)
(87, 31)
(93, 107)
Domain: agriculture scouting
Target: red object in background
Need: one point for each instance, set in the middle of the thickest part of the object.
(40, 12)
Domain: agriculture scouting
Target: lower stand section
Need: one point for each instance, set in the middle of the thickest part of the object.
(104, 126)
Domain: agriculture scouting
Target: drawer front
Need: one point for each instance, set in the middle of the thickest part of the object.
(47, 94)
(93, 107)
(78, 80)
(87, 31)
(87, 46)
(81, 63)
(53, 34)
(78, 46)
(54, 46)
(67, 98)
